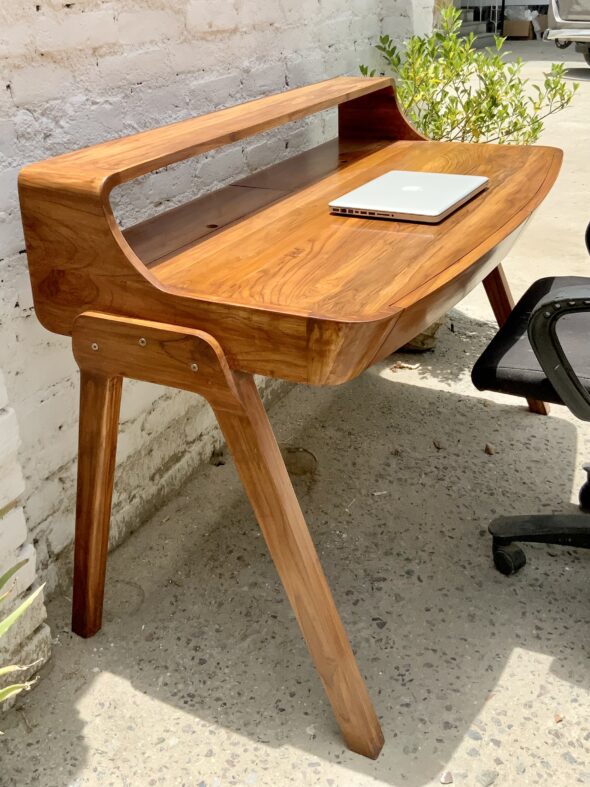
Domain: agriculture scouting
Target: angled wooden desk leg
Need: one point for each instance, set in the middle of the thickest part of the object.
(100, 400)
(502, 303)
(106, 346)
(267, 483)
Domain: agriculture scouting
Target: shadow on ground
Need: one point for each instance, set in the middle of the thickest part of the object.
(461, 340)
(200, 676)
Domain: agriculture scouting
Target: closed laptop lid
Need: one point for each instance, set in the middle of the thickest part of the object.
(418, 193)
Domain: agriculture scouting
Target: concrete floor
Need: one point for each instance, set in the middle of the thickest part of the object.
(199, 676)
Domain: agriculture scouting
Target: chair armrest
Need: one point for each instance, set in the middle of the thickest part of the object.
(542, 331)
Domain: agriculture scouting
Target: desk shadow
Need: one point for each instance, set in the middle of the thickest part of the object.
(460, 342)
(196, 619)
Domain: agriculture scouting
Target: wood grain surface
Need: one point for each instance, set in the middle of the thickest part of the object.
(288, 289)
(295, 256)
(267, 483)
(172, 231)
(110, 348)
(100, 400)
(119, 160)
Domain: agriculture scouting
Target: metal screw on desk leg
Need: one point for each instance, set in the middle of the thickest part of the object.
(94, 346)
(142, 342)
(194, 367)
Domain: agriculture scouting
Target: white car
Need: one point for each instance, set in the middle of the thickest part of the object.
(569, 23)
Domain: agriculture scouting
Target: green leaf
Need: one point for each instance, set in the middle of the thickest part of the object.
(10, 573)
(450, 90)
(15, 615)
(18, 667)
(11, 668)
(16, 688)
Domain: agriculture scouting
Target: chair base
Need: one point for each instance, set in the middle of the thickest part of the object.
(561, 529)
(570, 530)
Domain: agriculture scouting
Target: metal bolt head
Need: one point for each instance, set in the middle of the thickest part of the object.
(142, 342)
(194, 367)
(94, 346)
(547, 314)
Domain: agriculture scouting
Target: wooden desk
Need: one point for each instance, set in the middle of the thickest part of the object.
(259, 278)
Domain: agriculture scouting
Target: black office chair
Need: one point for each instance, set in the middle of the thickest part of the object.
(542, 352)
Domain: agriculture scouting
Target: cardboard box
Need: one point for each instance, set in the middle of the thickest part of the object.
(518, 28)
(543, 21)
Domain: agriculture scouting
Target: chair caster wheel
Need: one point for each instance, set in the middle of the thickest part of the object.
(508, 558)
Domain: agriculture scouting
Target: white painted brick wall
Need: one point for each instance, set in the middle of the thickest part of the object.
(104, 68)
(13, 534)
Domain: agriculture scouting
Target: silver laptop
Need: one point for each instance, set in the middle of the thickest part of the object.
(410, 196)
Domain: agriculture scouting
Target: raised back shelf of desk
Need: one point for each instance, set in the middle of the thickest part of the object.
(287, 289)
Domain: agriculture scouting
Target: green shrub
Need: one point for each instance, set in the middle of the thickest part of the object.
(450, 90)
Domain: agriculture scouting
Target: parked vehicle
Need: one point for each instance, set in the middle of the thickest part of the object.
(569, 23)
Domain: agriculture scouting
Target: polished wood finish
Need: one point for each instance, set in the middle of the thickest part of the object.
(161, 237)
(280, 301)
(265, 478)
(374, 116)
(100, 399)
(110, 163)
(144, 350)
(362, 268)
(149, 351)
(502, 303)
(80, 260)
(258, 277)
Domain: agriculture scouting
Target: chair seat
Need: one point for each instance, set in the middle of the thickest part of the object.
(509, 365)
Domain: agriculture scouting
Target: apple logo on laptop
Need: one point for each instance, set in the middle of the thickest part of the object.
(411, 188)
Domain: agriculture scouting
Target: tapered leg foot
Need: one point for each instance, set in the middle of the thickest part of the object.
(265, 478)
(100, 399)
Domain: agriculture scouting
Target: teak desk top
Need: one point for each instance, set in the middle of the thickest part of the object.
(288, 289)
(258, 277)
